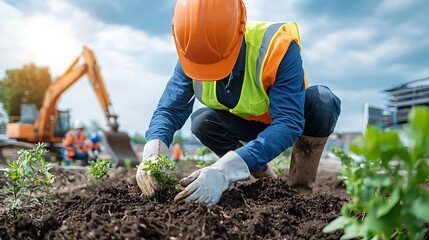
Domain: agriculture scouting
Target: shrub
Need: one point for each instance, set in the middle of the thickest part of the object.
(387, 198)
(162, 170)
(99, 168)
(28, 180)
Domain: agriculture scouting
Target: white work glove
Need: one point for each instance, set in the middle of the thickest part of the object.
(207, 184)
(147, 183)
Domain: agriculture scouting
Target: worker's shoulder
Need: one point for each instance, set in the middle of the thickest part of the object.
(70, 132)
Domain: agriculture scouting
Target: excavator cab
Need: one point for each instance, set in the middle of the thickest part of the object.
(62, 124)
(30, 113)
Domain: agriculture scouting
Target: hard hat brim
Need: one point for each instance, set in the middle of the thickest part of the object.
(210, 72)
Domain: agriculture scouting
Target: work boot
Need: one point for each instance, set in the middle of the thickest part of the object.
(305, 160)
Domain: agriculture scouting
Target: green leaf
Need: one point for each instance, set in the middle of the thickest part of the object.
(419, 131)
(420, 207)
(353, 230)
(368, 145)
(338, 223)
(419, 120)
(384, 225)
(377, 181)
(422, 171)
(389, 204)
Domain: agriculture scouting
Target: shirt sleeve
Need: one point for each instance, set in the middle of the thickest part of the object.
(286, 108)
(173, 108)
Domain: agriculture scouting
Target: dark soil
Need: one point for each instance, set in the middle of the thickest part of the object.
(115, 209)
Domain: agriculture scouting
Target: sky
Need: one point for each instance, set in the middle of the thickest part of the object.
(356, 48)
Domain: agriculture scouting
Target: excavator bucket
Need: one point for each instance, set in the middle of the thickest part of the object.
(119, 148)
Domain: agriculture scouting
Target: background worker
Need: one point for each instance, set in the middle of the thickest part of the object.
(251, 79)
(94, 146)
(74, 145)
(177, 153)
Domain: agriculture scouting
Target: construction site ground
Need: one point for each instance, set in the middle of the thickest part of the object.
(115, 209)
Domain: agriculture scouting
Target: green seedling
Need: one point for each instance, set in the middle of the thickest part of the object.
(201, 164)
(127, 163)
(387, 200)
(28, 180)
(202, 151)
(99, 168)
(280, 164)
(162, 169)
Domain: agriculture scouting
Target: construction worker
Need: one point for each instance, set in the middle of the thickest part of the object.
(74, 146)
(94, 146)
(176, 154)
(251, 79)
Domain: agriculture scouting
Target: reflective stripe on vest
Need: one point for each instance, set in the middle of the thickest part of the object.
(266, 45)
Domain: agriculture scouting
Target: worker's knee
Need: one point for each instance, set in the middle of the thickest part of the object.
(201, 121)
(322, 109)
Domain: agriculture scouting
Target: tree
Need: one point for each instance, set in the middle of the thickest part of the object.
(138, 139)
(25, 85)
(94, 126)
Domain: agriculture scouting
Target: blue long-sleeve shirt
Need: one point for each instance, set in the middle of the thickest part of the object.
(286, 107)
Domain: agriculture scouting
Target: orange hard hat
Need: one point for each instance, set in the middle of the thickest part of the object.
(208, 35)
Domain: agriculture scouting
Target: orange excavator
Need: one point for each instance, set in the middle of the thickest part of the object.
(51, 124)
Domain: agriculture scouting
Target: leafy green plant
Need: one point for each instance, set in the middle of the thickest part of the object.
(99, 168)
(162, 169)
(29, 180)
(387, 200)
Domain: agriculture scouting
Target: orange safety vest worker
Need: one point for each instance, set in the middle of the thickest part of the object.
(262, 39)
(177, 152)
(74, 141)
(94, 146)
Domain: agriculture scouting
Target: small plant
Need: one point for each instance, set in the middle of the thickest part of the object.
(162, 169)
(29, 180)
(202, 151)
(201, 164)
(280, 164)
(99, 168)
(127, 163)
(387, 201)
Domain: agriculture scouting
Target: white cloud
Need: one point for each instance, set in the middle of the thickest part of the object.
(127, 58)
(389, 6)
(352, 107)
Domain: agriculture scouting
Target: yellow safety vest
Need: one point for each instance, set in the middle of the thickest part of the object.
(266, 45)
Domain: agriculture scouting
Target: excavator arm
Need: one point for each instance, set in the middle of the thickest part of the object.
(45, 123)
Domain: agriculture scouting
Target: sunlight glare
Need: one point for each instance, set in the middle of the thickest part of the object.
(51, 43)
